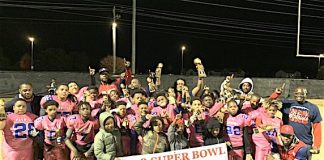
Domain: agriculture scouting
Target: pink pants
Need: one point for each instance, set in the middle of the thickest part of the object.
(261, 153)
(9, 153)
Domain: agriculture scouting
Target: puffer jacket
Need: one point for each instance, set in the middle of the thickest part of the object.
(107, 145)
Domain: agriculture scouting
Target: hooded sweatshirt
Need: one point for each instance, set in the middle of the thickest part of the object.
(107, 145)
(245, 80)
(209, 139)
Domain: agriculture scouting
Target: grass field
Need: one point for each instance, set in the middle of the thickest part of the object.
(318, 102)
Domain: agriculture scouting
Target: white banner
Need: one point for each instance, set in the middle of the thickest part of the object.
(217, 151)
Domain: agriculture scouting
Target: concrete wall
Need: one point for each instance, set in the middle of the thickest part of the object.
(9, 82)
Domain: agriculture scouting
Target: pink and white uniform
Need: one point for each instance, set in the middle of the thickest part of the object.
(233, 126)
(84, 132)
(65, 108)
(263, 140)
(54, 147)
(214, 109)
(95, 106)
(195, 132)
(51, 128)
(80, 93)
(16, 143)
(169, 111)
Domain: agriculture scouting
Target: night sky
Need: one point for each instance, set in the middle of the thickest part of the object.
(257, 36)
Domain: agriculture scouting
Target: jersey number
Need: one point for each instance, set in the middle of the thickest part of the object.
(272, 133)
(19, 128)
(51, 135)
(233, 130)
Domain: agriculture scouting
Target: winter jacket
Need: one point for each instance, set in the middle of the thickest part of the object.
(177, 141)
(297, 150)
(107, 145)
(152, 142)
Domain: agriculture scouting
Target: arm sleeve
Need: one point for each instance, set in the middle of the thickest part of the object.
(215, 108)
(92, 80)
(246, 141)
(38, 124)
(274, 95)
(258, 122)
(317, 118)
(317, 132)
(99, 147)
(139, 126)
(171, 133)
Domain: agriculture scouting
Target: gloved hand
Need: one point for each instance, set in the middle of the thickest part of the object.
(33, 132)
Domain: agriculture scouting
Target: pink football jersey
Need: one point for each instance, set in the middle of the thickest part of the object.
(234, 128)
(16, 142)
(83, 131)
(65, 107)
(80, 94)
(274, 122)
(52, 129)
(169, 110)
(96, 104)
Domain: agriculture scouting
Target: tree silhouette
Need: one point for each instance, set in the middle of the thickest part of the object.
(107, 62)
(24, 62)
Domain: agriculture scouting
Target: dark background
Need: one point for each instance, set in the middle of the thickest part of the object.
(256, 36)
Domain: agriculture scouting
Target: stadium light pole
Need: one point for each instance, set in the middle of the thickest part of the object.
(319, 61)
(134, 37)
(31, 39)
(183, 48)
(114, 26)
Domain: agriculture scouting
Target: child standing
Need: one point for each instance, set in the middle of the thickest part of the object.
(236, 132)
(122, 122)
(67, 106)
(154, 140)
(212, 134)
(164, 109)
(196, 124)
(176, 136)
(18, 130)
(107, 142)
(95, 102)
(53, 126)
(267, 131)
(82, 127)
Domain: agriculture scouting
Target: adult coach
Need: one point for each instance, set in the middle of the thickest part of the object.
(25, 92)
(304, 117)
